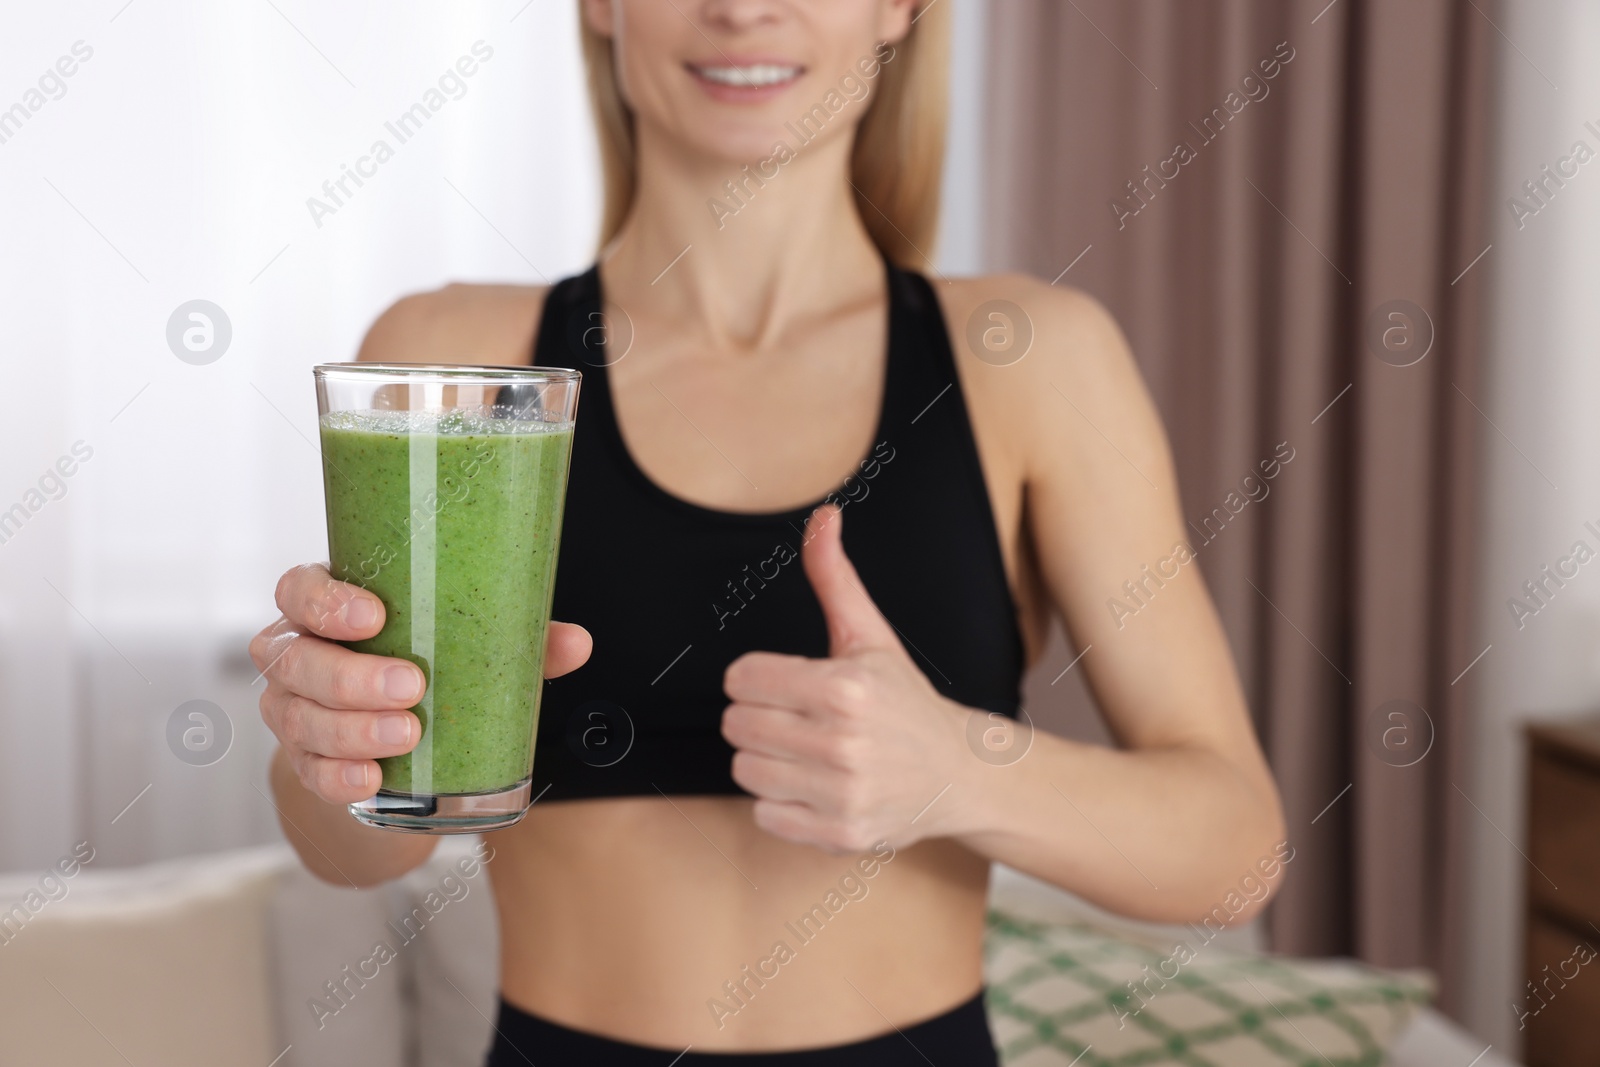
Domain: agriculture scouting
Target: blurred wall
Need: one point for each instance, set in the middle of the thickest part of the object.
(1542, 470)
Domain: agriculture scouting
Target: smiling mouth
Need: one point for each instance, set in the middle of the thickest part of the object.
(753, 76)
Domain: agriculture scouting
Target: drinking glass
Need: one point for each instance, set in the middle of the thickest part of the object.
(445, 488)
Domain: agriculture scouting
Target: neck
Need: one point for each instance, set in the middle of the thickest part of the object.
(765, 244)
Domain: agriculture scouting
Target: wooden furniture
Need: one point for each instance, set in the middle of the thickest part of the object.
(1562, 942)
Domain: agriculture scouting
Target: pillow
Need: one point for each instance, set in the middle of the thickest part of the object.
(161, 964)
(323, 933)
(1064, 993)
(415, 1001)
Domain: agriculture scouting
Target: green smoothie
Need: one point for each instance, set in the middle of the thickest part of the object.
(454, 521)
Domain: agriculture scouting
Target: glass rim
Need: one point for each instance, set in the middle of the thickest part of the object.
(454, 373)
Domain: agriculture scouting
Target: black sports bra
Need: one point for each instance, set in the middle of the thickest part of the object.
(673, 592)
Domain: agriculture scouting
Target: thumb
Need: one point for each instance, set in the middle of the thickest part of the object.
(854, 621)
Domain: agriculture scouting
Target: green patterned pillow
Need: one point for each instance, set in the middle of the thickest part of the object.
(1069, 993)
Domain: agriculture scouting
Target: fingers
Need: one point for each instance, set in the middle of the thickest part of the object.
(798, 823)
(339, 733)
(779, 680)
(772, 778)
(338, 781)
(777, 732)
(313, 600)
(335, 677)
(338, 711)
(567, 647)
(332, 750)
(310, 597)
(854, 622)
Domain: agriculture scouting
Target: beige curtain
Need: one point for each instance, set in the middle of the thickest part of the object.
(1334, 163)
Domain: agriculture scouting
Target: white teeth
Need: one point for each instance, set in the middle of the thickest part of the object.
(757, 75)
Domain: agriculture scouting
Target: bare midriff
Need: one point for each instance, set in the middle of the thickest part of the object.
(633, 918)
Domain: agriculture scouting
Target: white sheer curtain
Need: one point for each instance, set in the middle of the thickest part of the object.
(175, 164)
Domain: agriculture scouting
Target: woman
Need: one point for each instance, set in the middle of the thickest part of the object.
(791, 851)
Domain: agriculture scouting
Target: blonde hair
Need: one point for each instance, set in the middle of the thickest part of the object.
(896, 163)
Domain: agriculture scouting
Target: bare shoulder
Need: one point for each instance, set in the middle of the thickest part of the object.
(1021, 323)
(458, 323)
(1030, 353)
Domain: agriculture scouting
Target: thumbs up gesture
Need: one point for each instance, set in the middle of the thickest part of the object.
(847, 751)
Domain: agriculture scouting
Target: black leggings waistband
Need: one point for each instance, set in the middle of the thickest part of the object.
(958, 1038)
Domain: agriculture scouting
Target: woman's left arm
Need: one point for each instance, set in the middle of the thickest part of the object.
(857, 747)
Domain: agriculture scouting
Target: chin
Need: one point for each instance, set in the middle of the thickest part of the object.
(751, 144)
(711, 111)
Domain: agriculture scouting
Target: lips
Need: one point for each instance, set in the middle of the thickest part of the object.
(745, 80)
(754, 76)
